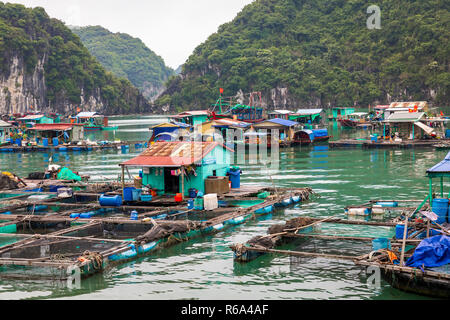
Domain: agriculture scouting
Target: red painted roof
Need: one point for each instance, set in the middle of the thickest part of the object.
(172, 154)
(53, 126)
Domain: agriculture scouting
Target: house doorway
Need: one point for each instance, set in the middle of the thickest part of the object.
(171, 183)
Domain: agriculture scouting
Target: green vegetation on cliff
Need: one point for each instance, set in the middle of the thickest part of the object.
(324, 54)
(72, 74)
(126, 57)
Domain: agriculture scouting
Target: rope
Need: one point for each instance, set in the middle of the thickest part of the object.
(95, 257)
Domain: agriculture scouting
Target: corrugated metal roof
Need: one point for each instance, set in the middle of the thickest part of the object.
(402, 116)
(32, 117)
(87, 114)
(172, 154)
(171, 125)
(306, 112)
(441, 167)
(5, 124)
(281, 122)
(280, 111)
(54, 126)
(408, 104)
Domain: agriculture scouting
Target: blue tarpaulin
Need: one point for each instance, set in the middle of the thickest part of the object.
(287, 123)
(431, 252)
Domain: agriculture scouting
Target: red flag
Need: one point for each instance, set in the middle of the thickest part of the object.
(221, 90)
(442, 114)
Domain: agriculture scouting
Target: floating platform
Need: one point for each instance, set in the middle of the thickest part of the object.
(49, 237)
(368, 144)
(66, 148)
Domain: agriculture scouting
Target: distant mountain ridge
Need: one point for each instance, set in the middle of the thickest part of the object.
(127, 57)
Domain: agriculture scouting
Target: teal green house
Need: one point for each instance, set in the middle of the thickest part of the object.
(339, 112)
(176, 167)
(191, 118)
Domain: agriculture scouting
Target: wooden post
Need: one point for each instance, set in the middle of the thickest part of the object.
(405, 233)
(123, 182)
(182, 182)
(430, 197)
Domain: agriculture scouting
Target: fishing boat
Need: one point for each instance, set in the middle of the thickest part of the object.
(248, 113)
(355, 120)
(92, 121)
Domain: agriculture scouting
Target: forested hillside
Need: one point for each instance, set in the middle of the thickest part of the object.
(303, 53)
(127, 57)
(44, 66)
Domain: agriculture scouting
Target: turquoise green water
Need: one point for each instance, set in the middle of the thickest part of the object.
(204, 268)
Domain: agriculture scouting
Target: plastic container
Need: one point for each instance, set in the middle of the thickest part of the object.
(134, 215)
(198, 203)
(74, 215)
(190, 204)
(178, 197)
(399, 231)
(210, 201)
(381, 243)
(110, 201)
(19, 142)
(374, 138)
(45, 142)
(235, 178)
(146, 197)
(358, 211)
(447, 133)
(125, 148)
(128, 193)
(55, 142)
(440, 208)
(200, 194)
(388, 203)
(192, 193)
(136, 193)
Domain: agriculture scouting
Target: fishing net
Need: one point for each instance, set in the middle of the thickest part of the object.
(164, 229)
(7, 183)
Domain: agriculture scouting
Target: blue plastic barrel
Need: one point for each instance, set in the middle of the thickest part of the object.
(134, 215)
(447, 133)
(45, 142)
(440, 208)
(235, 178)
(113, 201)
(399, 229)
(128, 193)
(381, 243)
(190, 204)
(55, 142)
(19, 142)
(125, 148)
(192, 193)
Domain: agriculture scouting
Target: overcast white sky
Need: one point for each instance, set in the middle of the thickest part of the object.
(171, 28)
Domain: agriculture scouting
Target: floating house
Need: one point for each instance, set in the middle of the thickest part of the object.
(307, 116)
(176, 167)
(169, 131)
(210, 129)
(419, 106)
(5, 130)
(57, 133)
(286, 128)
(406, 126)
(339, 112)
(33, 119)
(92, 121)
(191, 118)
(281, 114)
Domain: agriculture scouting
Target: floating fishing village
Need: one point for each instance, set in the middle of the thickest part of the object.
(267, 150)
(188, 186)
